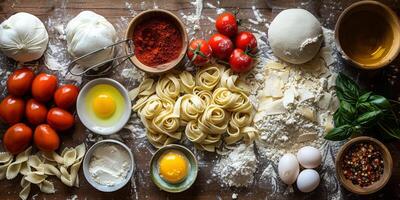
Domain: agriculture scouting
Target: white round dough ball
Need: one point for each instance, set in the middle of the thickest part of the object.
(308, 180)
(295, 36)
(288, 168)
(309, 157)
(88, 32)
(23, 37)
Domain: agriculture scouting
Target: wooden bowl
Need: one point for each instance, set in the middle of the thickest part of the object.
(374, 8)
(387, 171)
(147, 15)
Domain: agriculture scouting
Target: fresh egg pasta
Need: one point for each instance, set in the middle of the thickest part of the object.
(210, 108)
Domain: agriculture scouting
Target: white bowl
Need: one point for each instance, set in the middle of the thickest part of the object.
(85, 118)
(89, 178)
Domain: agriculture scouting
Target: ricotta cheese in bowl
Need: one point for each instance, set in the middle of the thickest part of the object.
(108, 165)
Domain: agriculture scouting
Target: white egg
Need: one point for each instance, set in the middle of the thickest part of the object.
(308, 180)
(309, 157)
(288, 168)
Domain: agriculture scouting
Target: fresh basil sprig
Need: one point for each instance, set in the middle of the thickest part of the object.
(360, 111)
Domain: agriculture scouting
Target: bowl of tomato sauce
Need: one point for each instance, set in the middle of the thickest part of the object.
(159, 41)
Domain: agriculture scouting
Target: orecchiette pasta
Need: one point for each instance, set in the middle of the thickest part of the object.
(213, 106)
(36, 168)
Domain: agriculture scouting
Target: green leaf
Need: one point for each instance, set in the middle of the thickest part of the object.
(345, 114)
(369, 117)
(347, 89)
(364, 98)
(339, 133)
(379, 101)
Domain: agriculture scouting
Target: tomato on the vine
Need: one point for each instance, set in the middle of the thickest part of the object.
(227, 24)
(221, 46)
(246, 41)
(199, 52)
(240, 61)
(20, 81)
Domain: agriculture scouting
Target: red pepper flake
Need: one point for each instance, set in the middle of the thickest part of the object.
(363, 164)
(157, 41)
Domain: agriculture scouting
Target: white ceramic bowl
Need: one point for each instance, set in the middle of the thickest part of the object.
(89, 178)
(85, 118)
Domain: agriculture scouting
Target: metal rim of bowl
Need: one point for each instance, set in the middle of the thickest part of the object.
(91, 181)
(80, 110)
(185, 151)
(386, 156)
(390, 13)
(154, 70)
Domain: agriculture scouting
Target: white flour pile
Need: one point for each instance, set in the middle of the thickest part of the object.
(303, 101)
(297, 103)
(238, 167)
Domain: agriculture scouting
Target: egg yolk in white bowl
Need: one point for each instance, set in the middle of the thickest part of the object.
(104, 104)
(173, 167)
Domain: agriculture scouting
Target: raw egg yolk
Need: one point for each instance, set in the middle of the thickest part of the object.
(173, 167)
(104, 106)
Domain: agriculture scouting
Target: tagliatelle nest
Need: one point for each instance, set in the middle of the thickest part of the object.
(211, 107)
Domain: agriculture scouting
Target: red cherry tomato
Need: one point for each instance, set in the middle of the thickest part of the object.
(240, 61)
(43, 87)
(227, 24)
(60, 119)
(46, 138)
(20, 81)
(199, 52)
(17, 138)
(246, 41)
(65, 96)
(35, 112)
(221, 46)
(12, 109)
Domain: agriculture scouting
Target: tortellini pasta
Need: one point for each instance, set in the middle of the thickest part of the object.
(210, 108)
(37, 167)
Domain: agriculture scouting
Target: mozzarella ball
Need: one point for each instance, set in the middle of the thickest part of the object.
(295, 36)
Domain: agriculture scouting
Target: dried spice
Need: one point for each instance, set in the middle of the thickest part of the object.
(363, 164)
(157, 41)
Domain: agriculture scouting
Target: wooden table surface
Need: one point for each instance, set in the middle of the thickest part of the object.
(141, 187)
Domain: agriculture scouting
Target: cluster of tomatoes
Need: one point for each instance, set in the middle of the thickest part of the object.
(239, 53)
(26, 107)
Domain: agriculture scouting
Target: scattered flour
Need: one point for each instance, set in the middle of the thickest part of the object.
(238, 167)
(296, 104)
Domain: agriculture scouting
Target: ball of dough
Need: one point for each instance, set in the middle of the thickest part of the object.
(88, 32)
(295, 36)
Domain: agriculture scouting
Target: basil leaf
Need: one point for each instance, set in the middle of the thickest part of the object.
(339, 119)
(346, 89)
(369, 117)
(364, 98)
(339, 133)
(379, 101)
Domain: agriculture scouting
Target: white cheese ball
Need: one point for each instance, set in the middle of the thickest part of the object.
(288, 168)
(295, 36)
(23, 37)
(309, 157)
(88, 32)
(308, 180)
